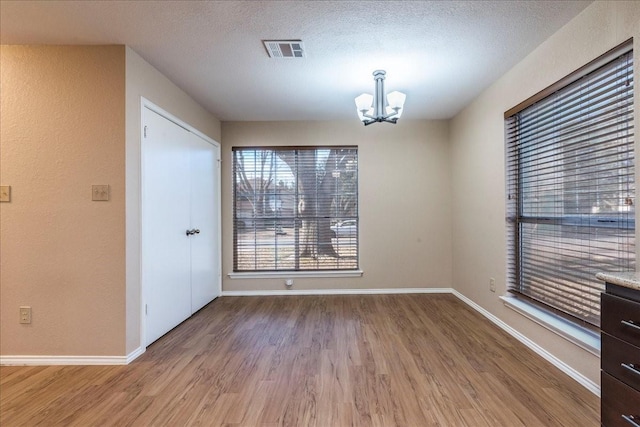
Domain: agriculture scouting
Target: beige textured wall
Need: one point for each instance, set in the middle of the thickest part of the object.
(71, 118)
(404, 196)
(477, 164)
(62, 130)
(143, 80)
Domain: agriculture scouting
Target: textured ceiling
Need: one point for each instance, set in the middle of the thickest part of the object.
(440, 53)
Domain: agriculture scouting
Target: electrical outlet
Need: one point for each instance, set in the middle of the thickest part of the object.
(5, 193)
(492, 284)
(25, 314)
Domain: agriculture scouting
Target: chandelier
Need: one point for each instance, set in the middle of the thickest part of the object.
(376, 108)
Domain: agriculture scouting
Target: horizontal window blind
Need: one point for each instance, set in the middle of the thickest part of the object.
(295, 208)
(571, 190)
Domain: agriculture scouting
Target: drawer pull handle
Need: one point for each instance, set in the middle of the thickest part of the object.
(631, 420)
(630, 324)
(630, 367)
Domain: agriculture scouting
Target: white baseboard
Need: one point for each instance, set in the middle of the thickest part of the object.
(70, 360)
(62, 360)
(577, 376)
(338, 292)
(135, 354)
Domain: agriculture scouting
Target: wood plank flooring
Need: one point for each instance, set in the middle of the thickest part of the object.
(374, 360)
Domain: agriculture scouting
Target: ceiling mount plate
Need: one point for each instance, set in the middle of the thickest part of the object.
(284, 48)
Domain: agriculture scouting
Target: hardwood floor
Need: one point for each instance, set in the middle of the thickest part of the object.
(375, 360)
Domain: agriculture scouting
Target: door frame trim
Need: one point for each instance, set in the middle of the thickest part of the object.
(145, 103)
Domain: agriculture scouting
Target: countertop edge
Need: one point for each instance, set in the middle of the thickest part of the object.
(628, 279)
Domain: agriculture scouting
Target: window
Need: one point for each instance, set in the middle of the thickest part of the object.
(295, 209)
(571, 187)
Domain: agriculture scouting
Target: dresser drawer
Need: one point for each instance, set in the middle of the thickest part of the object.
(621, 318)
(619, 401)
(622, 360)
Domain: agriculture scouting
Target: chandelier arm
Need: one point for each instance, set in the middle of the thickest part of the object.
(395, 113)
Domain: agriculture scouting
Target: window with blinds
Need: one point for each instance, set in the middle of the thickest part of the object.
(295, 208)
(571, 187)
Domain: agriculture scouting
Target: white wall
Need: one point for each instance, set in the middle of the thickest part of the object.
(478, 173)
(404, 200)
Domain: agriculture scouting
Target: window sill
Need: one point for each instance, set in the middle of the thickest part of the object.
(294, 274)
(582, 337)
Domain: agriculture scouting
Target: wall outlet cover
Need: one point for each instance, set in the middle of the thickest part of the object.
(5, 193)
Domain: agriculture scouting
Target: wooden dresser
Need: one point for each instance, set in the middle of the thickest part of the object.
(620, 354)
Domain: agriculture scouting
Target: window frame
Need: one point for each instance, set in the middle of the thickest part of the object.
(515, 299)
(343, 268)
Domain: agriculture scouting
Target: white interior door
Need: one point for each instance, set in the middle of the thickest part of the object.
(166, 210)
(205, 268)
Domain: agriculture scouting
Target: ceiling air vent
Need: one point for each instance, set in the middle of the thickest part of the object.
(284, 48)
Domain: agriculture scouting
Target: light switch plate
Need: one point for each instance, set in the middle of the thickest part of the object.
(5, 193)
(100, 193)
(25, 314)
